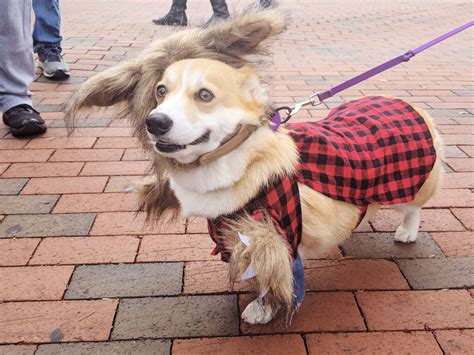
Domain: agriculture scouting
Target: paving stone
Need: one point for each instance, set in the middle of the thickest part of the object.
(382, 246)
(104, 202)
(117, 142)
(456, 341)
(11, 186)
(432, 220)
(455, 244)
(122, 183)
(453, 198)
(27, 204)
(117, 168)
(139, 347)
(119, 223)
(331, 275)
(83, 122)
(85, 250)
(126, 280)
(3, 167)
(210, 277)
(86, 155)
(439, 273)
(47, 225)
(43, 169)
(34, 283)
(373, 343)
(17, 349)
(466, 216)
(174, 247)
(25, 156)
(325, 311)
(61, 142)
(417, 310)
(17, 251)
(176, 317)
(65, 185)
(56, 321)
(264, 345)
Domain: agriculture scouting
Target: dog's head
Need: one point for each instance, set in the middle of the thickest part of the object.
(187, 93)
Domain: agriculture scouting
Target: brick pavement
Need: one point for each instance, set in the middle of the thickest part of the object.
(78, 269)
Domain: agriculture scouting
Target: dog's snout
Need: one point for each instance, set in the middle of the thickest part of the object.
(158, 123)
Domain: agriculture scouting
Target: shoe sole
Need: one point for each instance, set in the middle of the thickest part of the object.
(30, 128)
(58, 74)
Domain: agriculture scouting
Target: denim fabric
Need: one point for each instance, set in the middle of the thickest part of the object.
(47, 28)
(17, 67)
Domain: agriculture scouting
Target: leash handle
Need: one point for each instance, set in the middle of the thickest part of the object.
(321, 96)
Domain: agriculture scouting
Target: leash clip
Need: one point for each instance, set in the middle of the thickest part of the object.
(312, 100)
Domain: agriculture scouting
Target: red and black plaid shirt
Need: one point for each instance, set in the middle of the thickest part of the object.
(374, 150)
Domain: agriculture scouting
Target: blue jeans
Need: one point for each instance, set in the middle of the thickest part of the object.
(47, 28)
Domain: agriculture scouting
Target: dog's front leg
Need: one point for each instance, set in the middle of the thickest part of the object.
(261, 255)
(260, 310)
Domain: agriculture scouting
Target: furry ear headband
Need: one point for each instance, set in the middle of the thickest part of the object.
(131, 83)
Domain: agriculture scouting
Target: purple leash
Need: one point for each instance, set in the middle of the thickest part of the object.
(318, 98)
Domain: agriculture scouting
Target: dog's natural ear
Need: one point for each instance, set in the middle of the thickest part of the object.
(244, 34)
(110, 87)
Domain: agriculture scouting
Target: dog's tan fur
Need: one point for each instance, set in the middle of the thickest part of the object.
(265, 155)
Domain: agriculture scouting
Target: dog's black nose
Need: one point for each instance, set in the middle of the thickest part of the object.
(158, 123)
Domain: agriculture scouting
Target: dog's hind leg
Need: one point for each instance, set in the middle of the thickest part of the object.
(259, 311)
(408, 231)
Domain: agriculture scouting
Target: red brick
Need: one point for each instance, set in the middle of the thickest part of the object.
(264, 345)
(353, 275)
(456, 139)
(105, 202)
(326, 311)
(436, 220)
(121, 223)
(25, 156)
(455, 244)
(452, 198)
(466, 216)
(117, 168)
(13, 143)
(103, 132)
(125, 142)
(56, 321)
(87, 155)
(83, 142)
(196, 225)
(17, 251)
(461, 164)
(121, 183)
(3, 167)
(456, 341)
(43, 169)
(194, 247)
(458, 180)
(136, 154)
(468, 149)
(209, 277)
(34, 283)
(86, 250)
(416, 310)
(421, 343)
(65, 185)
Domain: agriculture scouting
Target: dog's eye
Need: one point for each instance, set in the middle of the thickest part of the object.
(161, 90)
(205, 95)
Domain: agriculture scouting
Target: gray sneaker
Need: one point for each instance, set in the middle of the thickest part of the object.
(51, 61)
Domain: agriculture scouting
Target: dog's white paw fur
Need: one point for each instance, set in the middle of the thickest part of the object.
(404, 235)
(258, 312)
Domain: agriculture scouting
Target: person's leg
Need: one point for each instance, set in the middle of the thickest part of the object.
(47, 38)
(17, 68)
(219, 11)
(176, 16)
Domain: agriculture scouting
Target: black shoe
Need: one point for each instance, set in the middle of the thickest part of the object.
(175, 17)
(220, 12)
(23, 121)
(51, 61)
(265, 3)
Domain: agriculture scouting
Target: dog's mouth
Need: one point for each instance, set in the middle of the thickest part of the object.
(165, 146)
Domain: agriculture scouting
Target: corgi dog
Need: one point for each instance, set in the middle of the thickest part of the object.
(273, 197)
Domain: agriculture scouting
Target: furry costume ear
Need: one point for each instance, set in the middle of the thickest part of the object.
(107, 88)
(243, 35)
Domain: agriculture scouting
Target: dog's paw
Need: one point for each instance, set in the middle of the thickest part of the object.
(404, 235)
(257, 312)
